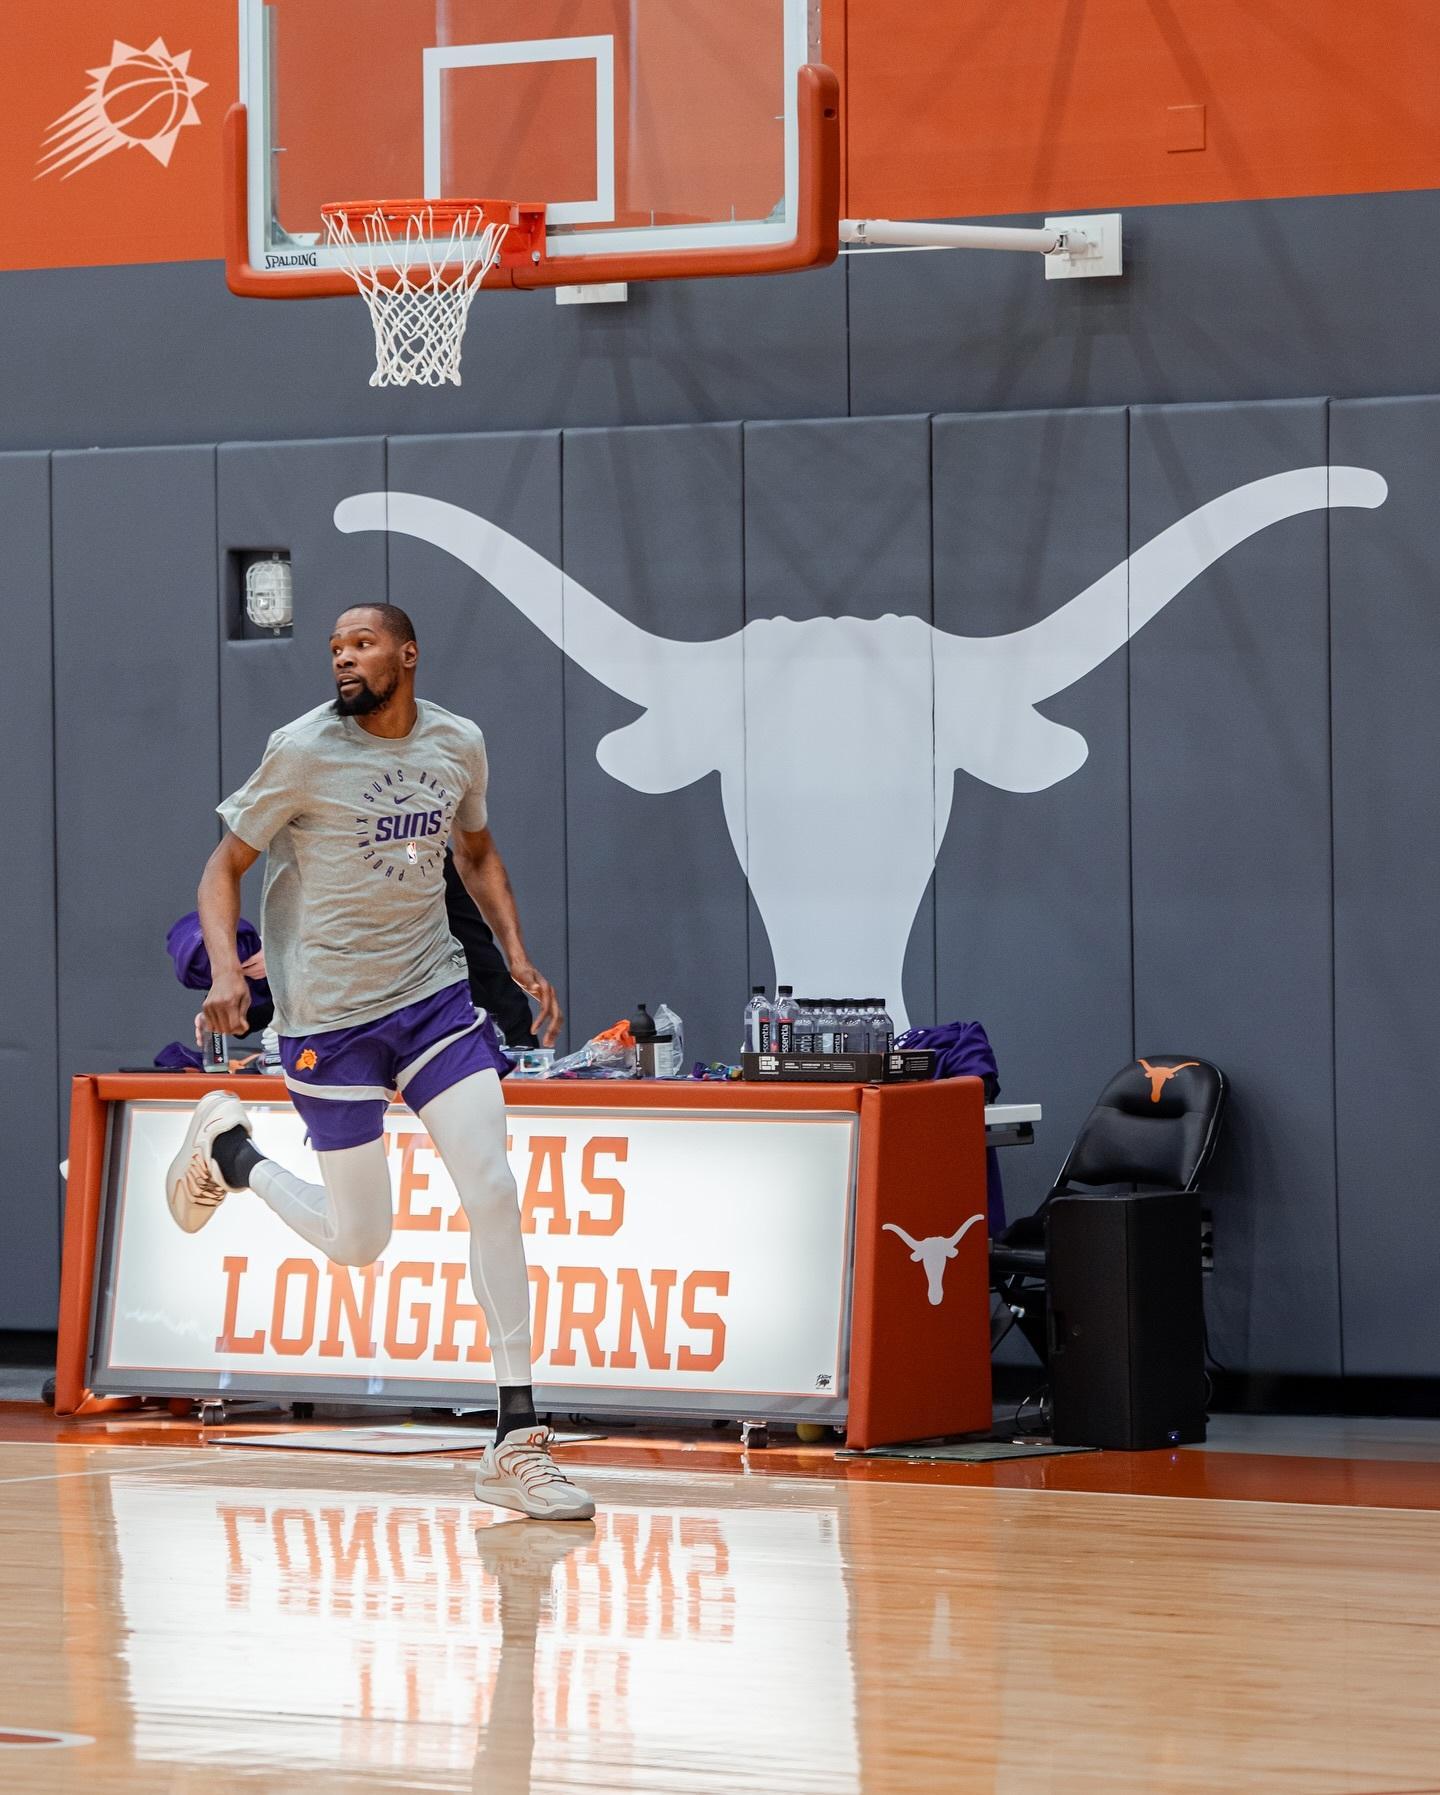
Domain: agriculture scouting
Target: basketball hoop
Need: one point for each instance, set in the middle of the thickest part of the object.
(417, 264)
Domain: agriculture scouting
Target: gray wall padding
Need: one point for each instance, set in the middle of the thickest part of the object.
(30, 1190)
(1230, 809)
(652, 528)
(137, 769)
(1385, 660)
(1033, 888)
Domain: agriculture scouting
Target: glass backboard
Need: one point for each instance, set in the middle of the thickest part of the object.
(648, 128)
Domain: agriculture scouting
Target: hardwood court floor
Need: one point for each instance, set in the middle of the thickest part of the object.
(235, 1619)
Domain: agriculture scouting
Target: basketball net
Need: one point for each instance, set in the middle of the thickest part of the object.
(417, 264)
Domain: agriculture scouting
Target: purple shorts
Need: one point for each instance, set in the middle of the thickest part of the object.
(341, 1081)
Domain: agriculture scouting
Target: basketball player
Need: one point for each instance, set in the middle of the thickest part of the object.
(354, 803)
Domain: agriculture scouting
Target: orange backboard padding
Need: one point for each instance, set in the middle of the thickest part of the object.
(816, 241)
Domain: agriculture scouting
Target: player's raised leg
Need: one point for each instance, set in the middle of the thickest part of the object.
(347, 1217)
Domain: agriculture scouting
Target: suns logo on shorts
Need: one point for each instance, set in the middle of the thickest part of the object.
(307, 1061)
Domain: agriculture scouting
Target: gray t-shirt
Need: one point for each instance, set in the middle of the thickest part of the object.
(356, 824)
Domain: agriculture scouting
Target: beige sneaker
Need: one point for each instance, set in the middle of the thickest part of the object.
(518, 1472)
(194, 1188)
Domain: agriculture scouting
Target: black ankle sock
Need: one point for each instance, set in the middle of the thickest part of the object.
(517, 1409)
(236, 1155)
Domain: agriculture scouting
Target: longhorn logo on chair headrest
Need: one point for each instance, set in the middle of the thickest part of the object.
(1160, 1076)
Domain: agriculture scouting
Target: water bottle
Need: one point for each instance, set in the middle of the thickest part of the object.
(269, 1047)
(648, 1045)
(757, 1021)
(884, 1027)
(824, 1025)
(215, 1054)
(804, 1025)
(784, 1028)
(669, 1060)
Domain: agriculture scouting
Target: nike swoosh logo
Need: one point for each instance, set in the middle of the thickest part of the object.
(409, 798)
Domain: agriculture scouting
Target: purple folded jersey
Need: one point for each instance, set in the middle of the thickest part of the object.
(963, 1050)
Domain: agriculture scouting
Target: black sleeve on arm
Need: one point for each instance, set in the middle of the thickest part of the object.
(491, 985)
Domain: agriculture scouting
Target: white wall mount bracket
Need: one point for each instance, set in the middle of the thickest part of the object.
(1099, 256)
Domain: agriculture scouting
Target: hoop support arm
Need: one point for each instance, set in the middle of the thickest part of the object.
(891, 234)
(1075, 248)
(815, 244)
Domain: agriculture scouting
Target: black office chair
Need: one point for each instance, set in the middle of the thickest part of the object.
(1153, 1127)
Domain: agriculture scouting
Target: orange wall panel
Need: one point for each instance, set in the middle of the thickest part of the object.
(962, 108)
(127, 205)
(953, 108)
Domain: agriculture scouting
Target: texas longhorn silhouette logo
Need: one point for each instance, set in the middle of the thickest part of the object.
(939, 703)
(934, 1253)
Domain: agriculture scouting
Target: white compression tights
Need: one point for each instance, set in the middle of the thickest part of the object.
(348, 1217)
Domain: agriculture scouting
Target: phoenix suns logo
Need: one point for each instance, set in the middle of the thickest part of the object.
(403, 823)
(140, 100)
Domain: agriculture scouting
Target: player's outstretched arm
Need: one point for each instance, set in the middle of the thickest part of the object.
(218, 902)
(478, 862)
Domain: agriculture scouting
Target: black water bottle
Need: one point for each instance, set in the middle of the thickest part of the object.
(647, 1039)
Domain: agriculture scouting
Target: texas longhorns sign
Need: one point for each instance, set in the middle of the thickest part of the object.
(940, 702)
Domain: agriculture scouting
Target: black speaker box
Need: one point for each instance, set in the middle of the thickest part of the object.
(1126, 1320)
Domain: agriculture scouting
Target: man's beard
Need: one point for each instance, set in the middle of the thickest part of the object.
(360, 703)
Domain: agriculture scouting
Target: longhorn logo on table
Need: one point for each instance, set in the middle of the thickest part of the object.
(934, 1254)
(937, 702)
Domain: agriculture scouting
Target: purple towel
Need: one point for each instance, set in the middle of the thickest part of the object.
(963, 1050)
(186, 947)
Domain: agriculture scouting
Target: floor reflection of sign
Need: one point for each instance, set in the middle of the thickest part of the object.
(394, 1630)
(667, 1252)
